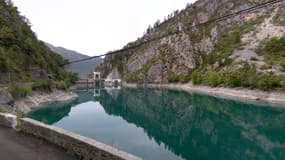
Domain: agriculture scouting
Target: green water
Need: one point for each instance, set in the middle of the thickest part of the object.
(172, 125)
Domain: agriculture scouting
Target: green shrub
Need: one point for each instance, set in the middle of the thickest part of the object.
(268, 82)
(197, 77)
(45, 85)
(228, 43)
(274, 51)
(275, 46)
(19, 116)
(179, 78)
(282, 22)
(265, 66)
(174, 79)
(68, 77)
(3, 62)
(61, 85)
(243, 77)
(213, 79)
(282, 66)
(232, 79)
(2, 110)
(18, 91)
(3, 65)
(246, 77)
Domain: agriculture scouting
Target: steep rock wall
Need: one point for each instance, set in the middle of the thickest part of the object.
(173, 58)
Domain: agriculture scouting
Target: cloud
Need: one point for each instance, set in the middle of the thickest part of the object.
(94, 27)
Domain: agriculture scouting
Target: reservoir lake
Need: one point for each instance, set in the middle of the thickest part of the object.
(164, 124)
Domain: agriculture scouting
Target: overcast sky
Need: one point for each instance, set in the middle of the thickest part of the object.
(94, 27)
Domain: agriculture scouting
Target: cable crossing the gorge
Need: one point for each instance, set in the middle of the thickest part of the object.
(190, 28)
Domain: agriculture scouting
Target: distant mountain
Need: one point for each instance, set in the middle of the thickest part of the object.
(82, 68)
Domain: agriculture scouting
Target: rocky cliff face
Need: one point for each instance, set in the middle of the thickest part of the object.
(220, 47)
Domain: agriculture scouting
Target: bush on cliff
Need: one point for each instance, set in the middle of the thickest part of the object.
(18, 91)
(45, 85)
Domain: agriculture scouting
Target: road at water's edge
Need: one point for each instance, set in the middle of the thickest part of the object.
(18, 146)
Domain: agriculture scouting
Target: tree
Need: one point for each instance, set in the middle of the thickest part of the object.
(156, 24)
(149, 28)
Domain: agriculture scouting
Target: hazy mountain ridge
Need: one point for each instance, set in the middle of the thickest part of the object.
(244, 51)
(82, 68)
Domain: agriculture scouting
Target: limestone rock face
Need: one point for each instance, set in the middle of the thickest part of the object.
(6, 98)
(114, 74)
(25, 105)
(6, 101)
(175, 56)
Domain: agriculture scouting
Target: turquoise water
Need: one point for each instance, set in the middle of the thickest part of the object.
(173, 125)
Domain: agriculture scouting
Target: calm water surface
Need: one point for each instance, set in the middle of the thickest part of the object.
(173, 125)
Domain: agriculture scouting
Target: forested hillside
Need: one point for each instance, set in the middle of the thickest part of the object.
(26, 64)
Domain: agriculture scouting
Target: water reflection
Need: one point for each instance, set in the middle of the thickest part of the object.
(97, 92)
(50, 115)
(190, 125)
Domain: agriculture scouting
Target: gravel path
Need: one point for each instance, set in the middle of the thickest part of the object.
(18, 146)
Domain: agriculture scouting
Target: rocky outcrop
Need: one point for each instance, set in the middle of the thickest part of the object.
(174, 57)
(38, 98)
(114, 74)
(6, 101)
(25, 105)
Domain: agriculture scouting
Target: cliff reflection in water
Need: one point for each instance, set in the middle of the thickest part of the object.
(52, 113)
(192, 126)
(202, 127)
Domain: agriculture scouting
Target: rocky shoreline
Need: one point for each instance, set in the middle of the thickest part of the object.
(241, 94)
(25, 105)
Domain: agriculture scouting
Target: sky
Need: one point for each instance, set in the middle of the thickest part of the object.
(94, 27)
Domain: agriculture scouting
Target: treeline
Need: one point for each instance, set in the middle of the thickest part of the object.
(166, 18)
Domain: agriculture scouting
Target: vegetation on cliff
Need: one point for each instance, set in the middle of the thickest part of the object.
(244, 51)
(26, 64)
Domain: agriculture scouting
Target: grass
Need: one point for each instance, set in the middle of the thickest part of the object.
(18, 91)
(265, 67)
(61, 85)
(2, 110)
(282, 22)
(19, 116)
(282, 66)
(274, 51)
